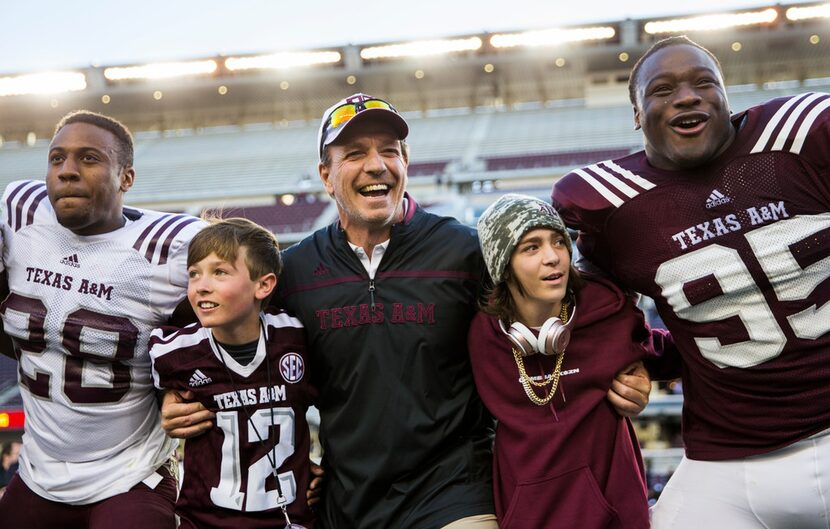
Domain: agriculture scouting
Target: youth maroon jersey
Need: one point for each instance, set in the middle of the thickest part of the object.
(736, 255)
(228, 478)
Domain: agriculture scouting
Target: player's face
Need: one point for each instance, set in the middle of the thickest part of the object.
(367, 176)
(85, 180)
(540, 264)
(682, 108)
(226, 299)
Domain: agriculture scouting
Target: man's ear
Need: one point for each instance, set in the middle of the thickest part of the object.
(127, 179)
(325, 174)
(265, 285)
(637, 125)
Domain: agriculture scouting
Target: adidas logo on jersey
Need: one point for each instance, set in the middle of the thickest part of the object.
(716, 198)
(71, 260)
(198, 379)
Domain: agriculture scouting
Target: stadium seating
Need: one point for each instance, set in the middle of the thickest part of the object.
(211, 166)
(427, 168)
(557, 159)
(298, 217)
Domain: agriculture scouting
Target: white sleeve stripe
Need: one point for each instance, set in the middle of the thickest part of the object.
(773, 123)
(600, 188)
(801, 135)
(637, 179)
(282, 320)
(622, 187)
(784, 134)
(179, 341)
(156, 377)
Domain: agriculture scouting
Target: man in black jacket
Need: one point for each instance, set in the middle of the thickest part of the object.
(387, 294)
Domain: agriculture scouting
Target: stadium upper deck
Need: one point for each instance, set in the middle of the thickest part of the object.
(188, 169)
(482, 118)
(590, 64)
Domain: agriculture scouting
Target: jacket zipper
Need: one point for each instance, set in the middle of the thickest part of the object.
(372, 293)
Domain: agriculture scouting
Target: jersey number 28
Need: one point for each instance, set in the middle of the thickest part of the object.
(77, 323)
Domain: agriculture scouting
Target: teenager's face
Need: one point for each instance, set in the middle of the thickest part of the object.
(226, 299)
(682, 108)
(540, 264)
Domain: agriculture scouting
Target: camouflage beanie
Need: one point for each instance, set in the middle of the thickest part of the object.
(504, 223)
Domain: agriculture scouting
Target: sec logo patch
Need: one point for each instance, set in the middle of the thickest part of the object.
(292, 367)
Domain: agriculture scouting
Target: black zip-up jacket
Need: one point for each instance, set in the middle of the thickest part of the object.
(405, 436)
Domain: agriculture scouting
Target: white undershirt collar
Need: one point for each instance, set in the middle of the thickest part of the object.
(371, 263)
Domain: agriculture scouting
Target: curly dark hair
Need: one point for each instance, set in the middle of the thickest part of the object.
(118, 129)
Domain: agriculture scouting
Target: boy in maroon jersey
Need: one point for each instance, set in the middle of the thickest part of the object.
(725, 222)
(249, 367)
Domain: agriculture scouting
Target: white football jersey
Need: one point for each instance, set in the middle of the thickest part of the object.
(81, 310)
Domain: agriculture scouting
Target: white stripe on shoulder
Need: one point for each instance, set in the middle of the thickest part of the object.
(178, 340)
(622, 187)
(784, 135)
(774, 121)
(600, 188)
(804, 129)
(281, 320)
(637, 179)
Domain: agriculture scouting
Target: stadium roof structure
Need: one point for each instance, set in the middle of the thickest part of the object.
(773, 43)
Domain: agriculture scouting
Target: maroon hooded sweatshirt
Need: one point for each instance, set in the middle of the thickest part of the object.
(573, 463)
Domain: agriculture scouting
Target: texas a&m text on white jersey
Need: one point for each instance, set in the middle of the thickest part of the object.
(80, 311)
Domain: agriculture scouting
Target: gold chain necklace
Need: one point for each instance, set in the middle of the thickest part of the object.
(528, 383)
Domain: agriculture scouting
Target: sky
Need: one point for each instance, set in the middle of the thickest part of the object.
(38, 35)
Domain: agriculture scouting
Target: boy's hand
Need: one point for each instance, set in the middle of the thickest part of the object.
(315, 487)
(630, 389)
(183, 419)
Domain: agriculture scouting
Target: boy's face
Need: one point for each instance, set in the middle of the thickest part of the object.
(226, 299)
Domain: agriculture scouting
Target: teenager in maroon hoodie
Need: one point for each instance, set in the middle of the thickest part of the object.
(563, 458)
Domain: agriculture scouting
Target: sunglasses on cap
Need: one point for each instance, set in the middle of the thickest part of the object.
(345, 112)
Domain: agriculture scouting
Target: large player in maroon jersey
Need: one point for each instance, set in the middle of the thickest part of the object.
(247, 400)
(725, 222)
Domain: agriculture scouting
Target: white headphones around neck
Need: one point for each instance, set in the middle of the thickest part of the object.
(553, 338)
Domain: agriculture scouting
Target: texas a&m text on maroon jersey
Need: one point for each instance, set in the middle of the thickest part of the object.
(736, 255)
(260, 415)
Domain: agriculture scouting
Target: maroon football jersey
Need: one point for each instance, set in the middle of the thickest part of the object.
(736, 255)
(260, 416)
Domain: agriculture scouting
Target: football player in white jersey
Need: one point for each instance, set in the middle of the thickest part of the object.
(89, 279)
